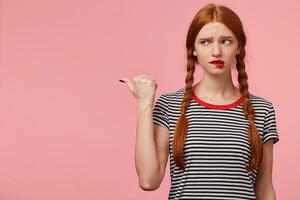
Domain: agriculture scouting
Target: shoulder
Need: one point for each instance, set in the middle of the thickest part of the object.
(172, 95)
(171, 99)
(260, 103)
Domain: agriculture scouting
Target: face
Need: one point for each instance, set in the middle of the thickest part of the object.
(216, 42)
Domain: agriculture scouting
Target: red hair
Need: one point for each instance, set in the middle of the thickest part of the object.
(212, 13)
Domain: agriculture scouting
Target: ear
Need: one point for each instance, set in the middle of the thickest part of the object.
(238, 51)
(194, 53)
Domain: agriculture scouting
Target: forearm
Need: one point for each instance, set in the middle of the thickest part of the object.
(146, 159)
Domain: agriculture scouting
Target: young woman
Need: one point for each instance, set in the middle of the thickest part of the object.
(219, 137)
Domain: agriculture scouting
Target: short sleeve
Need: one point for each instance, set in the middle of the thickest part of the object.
(270, 128)
(160, 111)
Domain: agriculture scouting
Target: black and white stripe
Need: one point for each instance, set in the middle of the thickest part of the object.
(217, 148)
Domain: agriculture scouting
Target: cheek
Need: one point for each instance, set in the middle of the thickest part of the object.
(203, 56)
(231, 52)
(203, 61)
(230, 60)
(203, 53)
(232, 56)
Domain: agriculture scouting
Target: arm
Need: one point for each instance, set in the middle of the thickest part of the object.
(151, 152)
(264, 186)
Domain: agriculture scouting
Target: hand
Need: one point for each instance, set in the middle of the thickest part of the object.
(142, 87)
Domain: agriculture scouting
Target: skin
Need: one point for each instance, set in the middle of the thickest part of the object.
(264, 185)
(216, 87)
(152, 150)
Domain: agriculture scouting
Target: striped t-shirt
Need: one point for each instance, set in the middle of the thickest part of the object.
(217, 147)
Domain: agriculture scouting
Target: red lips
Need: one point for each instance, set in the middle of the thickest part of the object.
(218, 63)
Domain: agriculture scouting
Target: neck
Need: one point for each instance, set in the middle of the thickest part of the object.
(216, 87)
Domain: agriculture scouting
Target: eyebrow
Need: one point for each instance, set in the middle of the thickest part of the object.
(223, 36)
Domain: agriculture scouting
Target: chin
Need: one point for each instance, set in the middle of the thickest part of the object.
(216, 70)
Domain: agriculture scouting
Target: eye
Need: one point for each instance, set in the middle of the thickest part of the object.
(228, 40)
(203, 42)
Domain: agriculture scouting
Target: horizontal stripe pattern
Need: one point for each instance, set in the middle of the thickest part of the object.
(217, 148)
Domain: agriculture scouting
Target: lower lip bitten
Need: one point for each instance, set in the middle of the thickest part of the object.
(218, 65)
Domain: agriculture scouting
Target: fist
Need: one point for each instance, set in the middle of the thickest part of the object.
(142, 87)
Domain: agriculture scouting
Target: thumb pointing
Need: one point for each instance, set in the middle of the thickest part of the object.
(129, 84)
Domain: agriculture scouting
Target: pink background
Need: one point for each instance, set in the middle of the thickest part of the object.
(67, 125)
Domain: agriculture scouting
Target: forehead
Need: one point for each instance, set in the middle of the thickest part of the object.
(214, 29)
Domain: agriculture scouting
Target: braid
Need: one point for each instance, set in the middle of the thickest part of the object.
(182, 123)
(222, 14)
(254, 138)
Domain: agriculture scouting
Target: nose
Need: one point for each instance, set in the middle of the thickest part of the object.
(216, 51)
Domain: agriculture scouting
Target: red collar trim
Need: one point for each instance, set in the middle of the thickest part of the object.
(215, 106)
